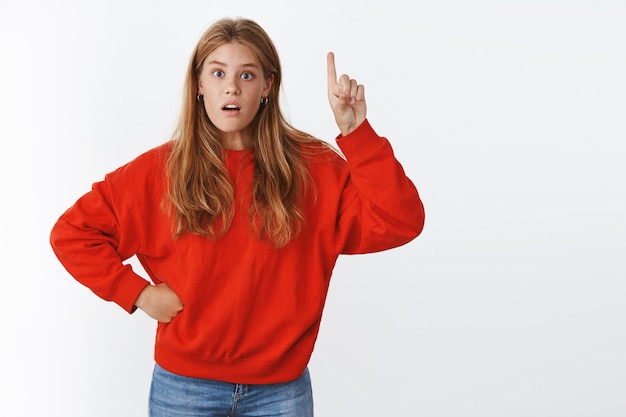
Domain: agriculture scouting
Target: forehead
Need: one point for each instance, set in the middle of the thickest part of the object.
(232, 54)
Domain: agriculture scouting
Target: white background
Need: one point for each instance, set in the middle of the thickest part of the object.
(510, 118)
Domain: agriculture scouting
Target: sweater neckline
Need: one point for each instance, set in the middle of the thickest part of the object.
(237, 158)
(237, 154)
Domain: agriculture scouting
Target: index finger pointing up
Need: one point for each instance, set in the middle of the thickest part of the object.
(332, 72)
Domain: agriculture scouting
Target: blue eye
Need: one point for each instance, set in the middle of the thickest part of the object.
(218, 73)
(247, 76)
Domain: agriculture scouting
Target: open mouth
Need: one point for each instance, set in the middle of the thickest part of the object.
(231, 107)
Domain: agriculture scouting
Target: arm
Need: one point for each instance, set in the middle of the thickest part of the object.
(380, 207)
(87, 241)
(102, 229)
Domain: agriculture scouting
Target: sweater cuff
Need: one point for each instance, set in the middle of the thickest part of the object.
(128, 289)
(360, 140)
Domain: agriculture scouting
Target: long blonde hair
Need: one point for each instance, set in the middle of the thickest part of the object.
(200, 191)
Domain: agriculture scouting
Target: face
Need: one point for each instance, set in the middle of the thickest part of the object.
(232, 83)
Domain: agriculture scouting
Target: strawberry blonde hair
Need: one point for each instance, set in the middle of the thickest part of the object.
(200, 191)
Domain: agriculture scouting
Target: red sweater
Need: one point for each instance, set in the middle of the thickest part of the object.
(252, 312)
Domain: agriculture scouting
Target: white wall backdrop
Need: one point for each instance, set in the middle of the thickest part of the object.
(508, 115)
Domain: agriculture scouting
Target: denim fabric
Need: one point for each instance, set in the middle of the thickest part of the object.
(174, 395)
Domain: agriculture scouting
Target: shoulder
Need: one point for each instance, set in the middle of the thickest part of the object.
(151, 159)
(147, 168)
(327, 166)
(324, 153)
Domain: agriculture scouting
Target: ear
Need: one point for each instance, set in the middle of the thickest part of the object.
(268, 85)
(200, 87)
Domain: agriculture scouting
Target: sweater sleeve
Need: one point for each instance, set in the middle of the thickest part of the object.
(380, 206)
(94, 237)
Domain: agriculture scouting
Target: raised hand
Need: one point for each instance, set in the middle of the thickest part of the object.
(346, 97)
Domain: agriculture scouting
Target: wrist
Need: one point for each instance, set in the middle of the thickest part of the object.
(143, 299)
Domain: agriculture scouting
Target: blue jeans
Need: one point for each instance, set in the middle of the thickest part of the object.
(174, 395)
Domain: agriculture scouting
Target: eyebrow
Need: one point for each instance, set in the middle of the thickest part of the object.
(248, 65)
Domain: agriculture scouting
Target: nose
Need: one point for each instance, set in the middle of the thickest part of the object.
(232, 86)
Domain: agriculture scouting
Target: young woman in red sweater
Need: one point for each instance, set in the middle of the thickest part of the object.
(238, 221)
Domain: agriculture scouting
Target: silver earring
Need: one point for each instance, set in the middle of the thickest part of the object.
(264, 100)
(199, 97)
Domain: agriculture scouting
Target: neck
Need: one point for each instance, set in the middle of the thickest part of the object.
(235, 141)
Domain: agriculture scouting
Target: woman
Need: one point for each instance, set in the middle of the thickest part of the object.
(238, 222)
